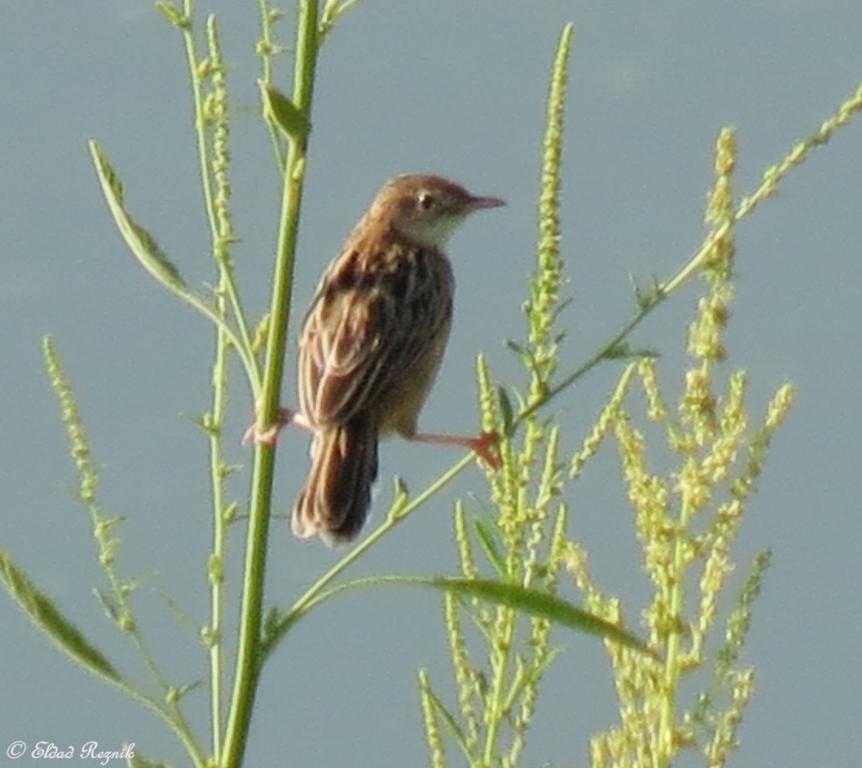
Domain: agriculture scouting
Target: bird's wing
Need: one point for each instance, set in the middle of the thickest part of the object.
(364, 330)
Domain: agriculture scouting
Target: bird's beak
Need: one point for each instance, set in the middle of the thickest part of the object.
(478, 203)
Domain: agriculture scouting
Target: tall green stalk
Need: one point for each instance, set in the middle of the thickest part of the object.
(249, 648)
(212, 148)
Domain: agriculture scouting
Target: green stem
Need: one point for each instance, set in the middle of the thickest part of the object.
(662, 291)
(248, 659)
(243, 343)
(170, 717)
(585, 367)
(220, 238)
(246, 356)
(216, 563)
(312, 596)
(500, 662)
(771, 178)
(666, 745)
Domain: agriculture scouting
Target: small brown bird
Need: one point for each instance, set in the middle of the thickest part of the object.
(372, 343)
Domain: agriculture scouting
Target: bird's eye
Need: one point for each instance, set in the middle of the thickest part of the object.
(425, 200)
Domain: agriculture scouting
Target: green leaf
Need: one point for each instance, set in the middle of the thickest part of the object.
(543, 605)
(140, 242)
(524, 355)
(332, 11)
(48, 619)
(271, 621)
(489, 547)
(530, 601)
(400, 497)
(517, 348)
(449, 721)
(283, 112)
(620, 350)
(625, 351)
(176, 694)
(108, 605)
(530, 676)
(174, 15)
(505, 408)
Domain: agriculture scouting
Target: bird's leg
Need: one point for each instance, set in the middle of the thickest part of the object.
(484, 446)
(268, 436)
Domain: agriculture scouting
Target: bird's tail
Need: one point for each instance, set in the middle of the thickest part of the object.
(337, 493)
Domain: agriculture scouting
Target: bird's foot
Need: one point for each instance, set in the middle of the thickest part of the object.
(486, 447)
(269, 435)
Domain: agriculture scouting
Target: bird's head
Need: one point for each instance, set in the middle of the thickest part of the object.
(427, 208)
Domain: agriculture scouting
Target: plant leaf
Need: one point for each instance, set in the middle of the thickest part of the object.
(140, 242)
(281, 110)
(489, 547)
(448, 720)
(541, 604)
(529, 677)
(44, 614)
(505, 408)
(530, 601)
(400, 497)
(173, 14)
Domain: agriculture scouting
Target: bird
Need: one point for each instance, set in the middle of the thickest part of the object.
(371, 345)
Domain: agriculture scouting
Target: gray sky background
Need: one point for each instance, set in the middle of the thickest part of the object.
(457, 88)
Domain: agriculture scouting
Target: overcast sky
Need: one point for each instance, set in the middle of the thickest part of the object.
(455, 88)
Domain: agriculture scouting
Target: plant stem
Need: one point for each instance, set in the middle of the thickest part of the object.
(311, 595)
(584, 368)
(666, 747)
(221, 237)
(502, 638)
(216, 562)
(662, 291)
(228, 283)
(169, 715)
(249, 646)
